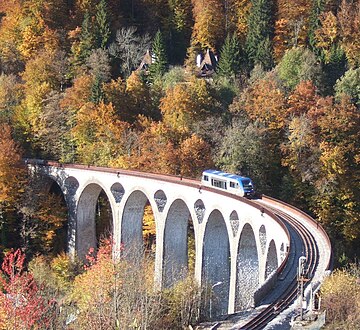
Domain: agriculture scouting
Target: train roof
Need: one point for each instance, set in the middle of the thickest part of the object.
(225, 175)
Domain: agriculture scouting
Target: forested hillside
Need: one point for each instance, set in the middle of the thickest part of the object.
(282, 106)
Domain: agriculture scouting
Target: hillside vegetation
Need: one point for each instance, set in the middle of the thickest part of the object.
(282, 106)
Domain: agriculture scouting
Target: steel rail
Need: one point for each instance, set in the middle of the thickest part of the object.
(291, 293)
(308, 218)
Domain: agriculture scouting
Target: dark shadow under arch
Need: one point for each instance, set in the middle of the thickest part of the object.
(90, 226)
(132, 241)
(271, 259)
(175, 259)
(216, 262)
(247, 269)
(60, 239)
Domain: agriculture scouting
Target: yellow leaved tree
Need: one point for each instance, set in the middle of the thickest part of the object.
(185, 104)
(327, 35)
(195, 156)
(265, 102)
(98, 134)
(149, 227)
(11, 174)
(340, 296)
(349, 22)
(291, 25)
(208, 30)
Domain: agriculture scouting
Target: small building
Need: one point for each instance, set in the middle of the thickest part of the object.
(206, 64)
(146, 62)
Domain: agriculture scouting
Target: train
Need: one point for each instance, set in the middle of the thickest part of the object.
(236, 184)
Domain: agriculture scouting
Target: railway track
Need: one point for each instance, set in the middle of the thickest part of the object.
(303, 243)
(310, 251)
(307, 239)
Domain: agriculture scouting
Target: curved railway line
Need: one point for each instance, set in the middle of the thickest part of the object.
(310, 251)
(307, 245)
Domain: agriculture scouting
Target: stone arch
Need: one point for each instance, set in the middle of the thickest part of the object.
(51, 189)
(216, 262)
(247, 269)
(117, 191)
(271, 259)
(86, 236)
(71, 185)
(160, 200)
(132, 222)
(199, 209)
(175, 259)
(262, 238)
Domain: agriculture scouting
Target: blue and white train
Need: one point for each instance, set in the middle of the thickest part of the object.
(236, 184)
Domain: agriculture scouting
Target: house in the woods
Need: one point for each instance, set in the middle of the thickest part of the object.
(206, 64)
(147, 60)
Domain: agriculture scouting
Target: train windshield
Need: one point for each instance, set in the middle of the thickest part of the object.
(247, 184)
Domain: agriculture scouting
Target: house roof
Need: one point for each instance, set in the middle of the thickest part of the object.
(208, 64)
(146, 62)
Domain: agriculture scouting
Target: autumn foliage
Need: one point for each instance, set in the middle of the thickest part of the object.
(21, 303)
(10, 170)
(282, 107)
(340, 297)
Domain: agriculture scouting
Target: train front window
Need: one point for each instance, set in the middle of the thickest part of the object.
(247, 184)
(206, 178)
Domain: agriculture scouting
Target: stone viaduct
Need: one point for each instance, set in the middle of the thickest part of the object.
(238, 245)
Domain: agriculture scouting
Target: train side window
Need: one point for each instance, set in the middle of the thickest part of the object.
(219, 184)
(232, 184)
(206, 178)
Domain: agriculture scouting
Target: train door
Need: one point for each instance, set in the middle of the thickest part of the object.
(219, 183)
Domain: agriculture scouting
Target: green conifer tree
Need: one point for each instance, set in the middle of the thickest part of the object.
(103, 31)
(229, 63)
(264, 54)
(86, 37)
(81, 49)
(97, 94)
(158, 67)
(260, 33)
(314, 23)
